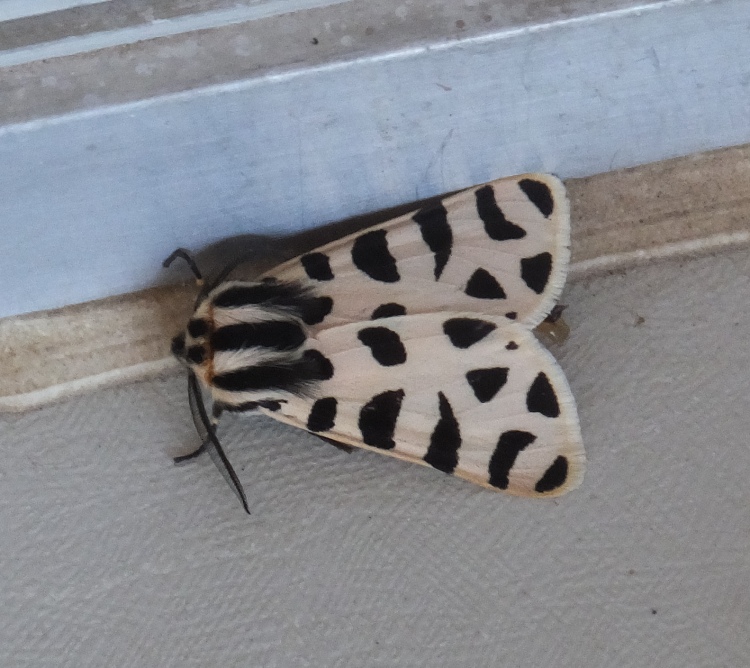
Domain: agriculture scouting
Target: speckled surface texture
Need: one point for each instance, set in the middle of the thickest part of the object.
(114, 557)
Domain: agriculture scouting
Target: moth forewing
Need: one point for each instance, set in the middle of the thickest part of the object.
(499, 248)
(492, 407)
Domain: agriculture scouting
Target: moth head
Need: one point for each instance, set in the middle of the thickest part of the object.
(190, 346)
(178, 346)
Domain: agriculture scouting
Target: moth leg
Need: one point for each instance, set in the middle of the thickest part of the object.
(216, 411)
(556, 313)
(184, 458)
(553, 329)
(341, 446)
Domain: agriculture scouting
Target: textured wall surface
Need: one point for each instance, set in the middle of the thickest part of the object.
(111, 556)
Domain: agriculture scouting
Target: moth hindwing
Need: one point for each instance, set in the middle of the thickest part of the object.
(412, 338)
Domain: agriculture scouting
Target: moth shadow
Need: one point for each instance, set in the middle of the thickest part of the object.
(246, 256)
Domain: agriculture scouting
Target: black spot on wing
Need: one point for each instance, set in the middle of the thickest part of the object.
(273, 334)
(484, 285)
(535, 271)
(497, 226)
(322, 415)
(317, 266)
(197, 327)
(196, 354)
(371, 256)
(554, 476)
(384, 344)
(390, 310)
(377, 419)
(539, 194)
(465, 332)
(511, 315)
(486, 383)
(437, 234)
(512, 345)
(509, 445)
(541, 397)
(315, 309)
(445, 439)
(317, 365)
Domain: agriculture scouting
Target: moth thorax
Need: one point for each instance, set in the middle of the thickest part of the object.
(247, 352)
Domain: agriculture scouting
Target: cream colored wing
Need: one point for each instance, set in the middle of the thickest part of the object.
(500, 248)
(475, 396)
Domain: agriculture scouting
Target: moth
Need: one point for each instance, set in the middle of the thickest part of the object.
(413, 338)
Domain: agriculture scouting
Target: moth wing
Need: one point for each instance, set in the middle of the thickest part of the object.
(500, 248)
(471, 395)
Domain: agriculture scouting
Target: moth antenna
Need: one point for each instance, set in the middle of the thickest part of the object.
(205, 286)
(222, 276)
(188, 258)
(206, 424)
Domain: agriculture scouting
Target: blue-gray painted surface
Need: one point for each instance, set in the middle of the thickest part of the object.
(92, 203)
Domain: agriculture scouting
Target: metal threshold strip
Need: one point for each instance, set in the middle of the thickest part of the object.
(677, 208)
